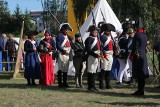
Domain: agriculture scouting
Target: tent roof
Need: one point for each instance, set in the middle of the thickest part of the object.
(109, 15)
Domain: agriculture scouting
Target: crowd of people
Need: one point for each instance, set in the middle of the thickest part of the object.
(9, 51)
(100, 53)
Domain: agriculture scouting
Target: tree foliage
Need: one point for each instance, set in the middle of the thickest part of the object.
(59, 9)
(149, 10)
(11, 23)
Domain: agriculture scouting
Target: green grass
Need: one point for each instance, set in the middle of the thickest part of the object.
(14, 93)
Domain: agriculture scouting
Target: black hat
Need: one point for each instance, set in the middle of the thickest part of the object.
(107, 27)
(92, 28)
(100, 24)
(126, 25)
(77, 35)
(31, 33)
(65, 26)
(139, 23)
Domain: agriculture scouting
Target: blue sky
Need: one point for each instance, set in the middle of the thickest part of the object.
(23, 4)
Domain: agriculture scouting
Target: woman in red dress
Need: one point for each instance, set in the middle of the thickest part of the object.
(46, 48)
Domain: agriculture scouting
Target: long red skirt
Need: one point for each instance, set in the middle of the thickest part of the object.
(47, 70)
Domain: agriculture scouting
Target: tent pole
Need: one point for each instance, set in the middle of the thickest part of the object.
(16, 71)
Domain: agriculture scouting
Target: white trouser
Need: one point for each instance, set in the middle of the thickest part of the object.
(130, 64)
(92, 64)
(123, 70)
(107, 64)
(63, 62)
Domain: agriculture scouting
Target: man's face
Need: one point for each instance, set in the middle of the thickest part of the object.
(46, 37)
(65, 31)
(33, 37)
(94, 33)
(131, 35)
(78, 39)
(107, 32)
(3, 36)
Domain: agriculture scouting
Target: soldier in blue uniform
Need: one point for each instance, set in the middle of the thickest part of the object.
(92, 46)
(123, 42)
(139, 58)
(131, 34)
(107, 61)
(64, 47)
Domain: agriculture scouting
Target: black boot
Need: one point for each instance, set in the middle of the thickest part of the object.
(93, 82)
(100, 78)
(28, 81)
(65, 84)
(89, 81)
(141, 84)
(60, 79)
(107, 80)
(33, 82)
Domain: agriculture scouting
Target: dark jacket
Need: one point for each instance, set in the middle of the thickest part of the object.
(140, 65)
(78, 49)
(123, 43)
(88, 49)
(10, 46)
(43, 46)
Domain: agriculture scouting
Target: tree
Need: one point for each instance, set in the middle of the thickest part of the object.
(58, 8)
(4, 16)
(28, 25)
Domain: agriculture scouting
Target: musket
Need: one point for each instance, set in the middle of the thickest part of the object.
(103, 16)
(53, 16)
(94, 22)
(116, 52)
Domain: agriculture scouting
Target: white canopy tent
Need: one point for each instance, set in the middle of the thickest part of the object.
(109, 15)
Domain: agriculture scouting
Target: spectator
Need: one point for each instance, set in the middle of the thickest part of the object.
(12, 52)
(3, 40)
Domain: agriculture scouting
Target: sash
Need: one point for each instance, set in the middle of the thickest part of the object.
(129, 44)
(120, 39)
(64, 42)
(94, 42)
(78, 45)
(108, 40)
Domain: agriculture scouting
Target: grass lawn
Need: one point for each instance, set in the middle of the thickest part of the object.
(14, 93)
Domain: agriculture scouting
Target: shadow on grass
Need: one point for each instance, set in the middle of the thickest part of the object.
(72, 90)
(6, 76)
(152, 89)
(78, 90)
(126, 103)
(149, 104)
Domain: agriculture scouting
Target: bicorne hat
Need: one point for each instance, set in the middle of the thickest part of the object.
(65, 26)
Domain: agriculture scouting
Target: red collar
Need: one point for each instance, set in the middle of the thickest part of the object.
(140, 30)
(31, 39)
